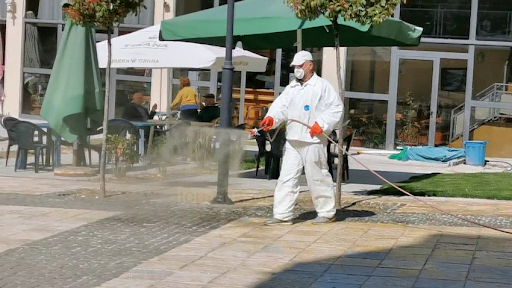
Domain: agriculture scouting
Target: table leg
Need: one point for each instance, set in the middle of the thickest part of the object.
(56, 152)
(141, 144)
(150, 141)
(51, 145)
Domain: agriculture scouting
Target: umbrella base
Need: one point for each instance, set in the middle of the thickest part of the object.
(76, 172)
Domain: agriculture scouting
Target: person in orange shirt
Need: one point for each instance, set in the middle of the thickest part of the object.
(187, 99)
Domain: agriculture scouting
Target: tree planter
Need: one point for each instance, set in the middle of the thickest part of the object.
(122, 153)
(119, 170)
(162, 170)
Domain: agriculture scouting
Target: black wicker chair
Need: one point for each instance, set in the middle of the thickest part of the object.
(332, 155)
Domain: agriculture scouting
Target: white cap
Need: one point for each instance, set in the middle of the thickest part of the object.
(301, 57)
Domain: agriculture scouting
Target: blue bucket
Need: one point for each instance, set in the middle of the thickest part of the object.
(475, 152)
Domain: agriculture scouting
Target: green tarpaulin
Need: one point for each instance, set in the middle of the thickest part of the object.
(74, 92)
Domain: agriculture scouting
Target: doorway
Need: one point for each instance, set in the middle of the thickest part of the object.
(428, 86)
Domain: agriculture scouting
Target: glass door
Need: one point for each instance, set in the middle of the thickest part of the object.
(417, 91)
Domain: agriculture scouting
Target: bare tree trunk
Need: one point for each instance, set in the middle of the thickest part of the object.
(103, 157)
(341, 91)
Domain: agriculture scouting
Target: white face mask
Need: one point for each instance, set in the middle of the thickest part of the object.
(299, 73)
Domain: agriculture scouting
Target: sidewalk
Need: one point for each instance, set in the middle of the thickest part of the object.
(245, 253)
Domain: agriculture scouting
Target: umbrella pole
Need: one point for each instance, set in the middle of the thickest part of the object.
(299, 40)
(241, 112)
(169, 92)
(225, 112)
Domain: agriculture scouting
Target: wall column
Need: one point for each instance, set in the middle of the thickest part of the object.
(14, 51)
(329, 66)
(159, 87)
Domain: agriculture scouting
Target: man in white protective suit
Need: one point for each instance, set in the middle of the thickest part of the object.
(313, 101)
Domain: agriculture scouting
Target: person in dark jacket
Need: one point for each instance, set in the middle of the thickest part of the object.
(134, 111)
(210, 111)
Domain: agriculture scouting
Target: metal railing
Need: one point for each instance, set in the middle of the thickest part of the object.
(480, 116)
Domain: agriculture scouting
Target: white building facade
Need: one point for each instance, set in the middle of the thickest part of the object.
(449, 81)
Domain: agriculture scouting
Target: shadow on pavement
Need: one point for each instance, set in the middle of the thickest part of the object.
(367, 178)
(355, 176)
(437, 260)
(341, 214)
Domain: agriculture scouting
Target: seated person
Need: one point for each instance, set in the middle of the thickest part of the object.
(210, 111)
(134, 111)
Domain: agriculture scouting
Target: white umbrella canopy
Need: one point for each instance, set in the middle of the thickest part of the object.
(142, 49)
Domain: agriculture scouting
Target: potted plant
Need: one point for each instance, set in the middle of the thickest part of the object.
(410, 128)
(123, 151)
(376, 138)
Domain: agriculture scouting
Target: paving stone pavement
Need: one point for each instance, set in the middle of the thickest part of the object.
(245, 253)
(130, 229)
(94, 253)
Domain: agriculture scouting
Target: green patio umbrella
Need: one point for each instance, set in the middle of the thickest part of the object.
(271, 24)
(74, 93)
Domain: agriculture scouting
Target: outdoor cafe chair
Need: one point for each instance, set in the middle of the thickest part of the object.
(332, 155)
(116, 126)
(276, 154)
(261, 141)
(30, 137)
(7, 123)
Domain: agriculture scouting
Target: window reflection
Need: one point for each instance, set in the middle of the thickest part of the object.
(368, 69)
(368, 122)
(439, 19)
(494, 20)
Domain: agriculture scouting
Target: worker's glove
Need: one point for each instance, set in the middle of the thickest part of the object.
(267, 123)
(316, 130)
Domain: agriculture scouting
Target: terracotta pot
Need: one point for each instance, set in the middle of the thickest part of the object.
(36, 109)
(357, 142)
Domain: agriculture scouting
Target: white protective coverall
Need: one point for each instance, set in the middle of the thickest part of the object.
(314, 101)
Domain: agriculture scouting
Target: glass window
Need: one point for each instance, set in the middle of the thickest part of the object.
(368, 69)
(40, 45)
(451, 93)
(494, 20)
(3, 10)
(368, 121)
(190, 6)
(439, 18)
(145, 17)
(45, 9)
(192, 74)
(492, 65)
(34, 89)
(125, 91)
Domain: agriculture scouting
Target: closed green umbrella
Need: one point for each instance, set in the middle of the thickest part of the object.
(74, 92)
(271, 24)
